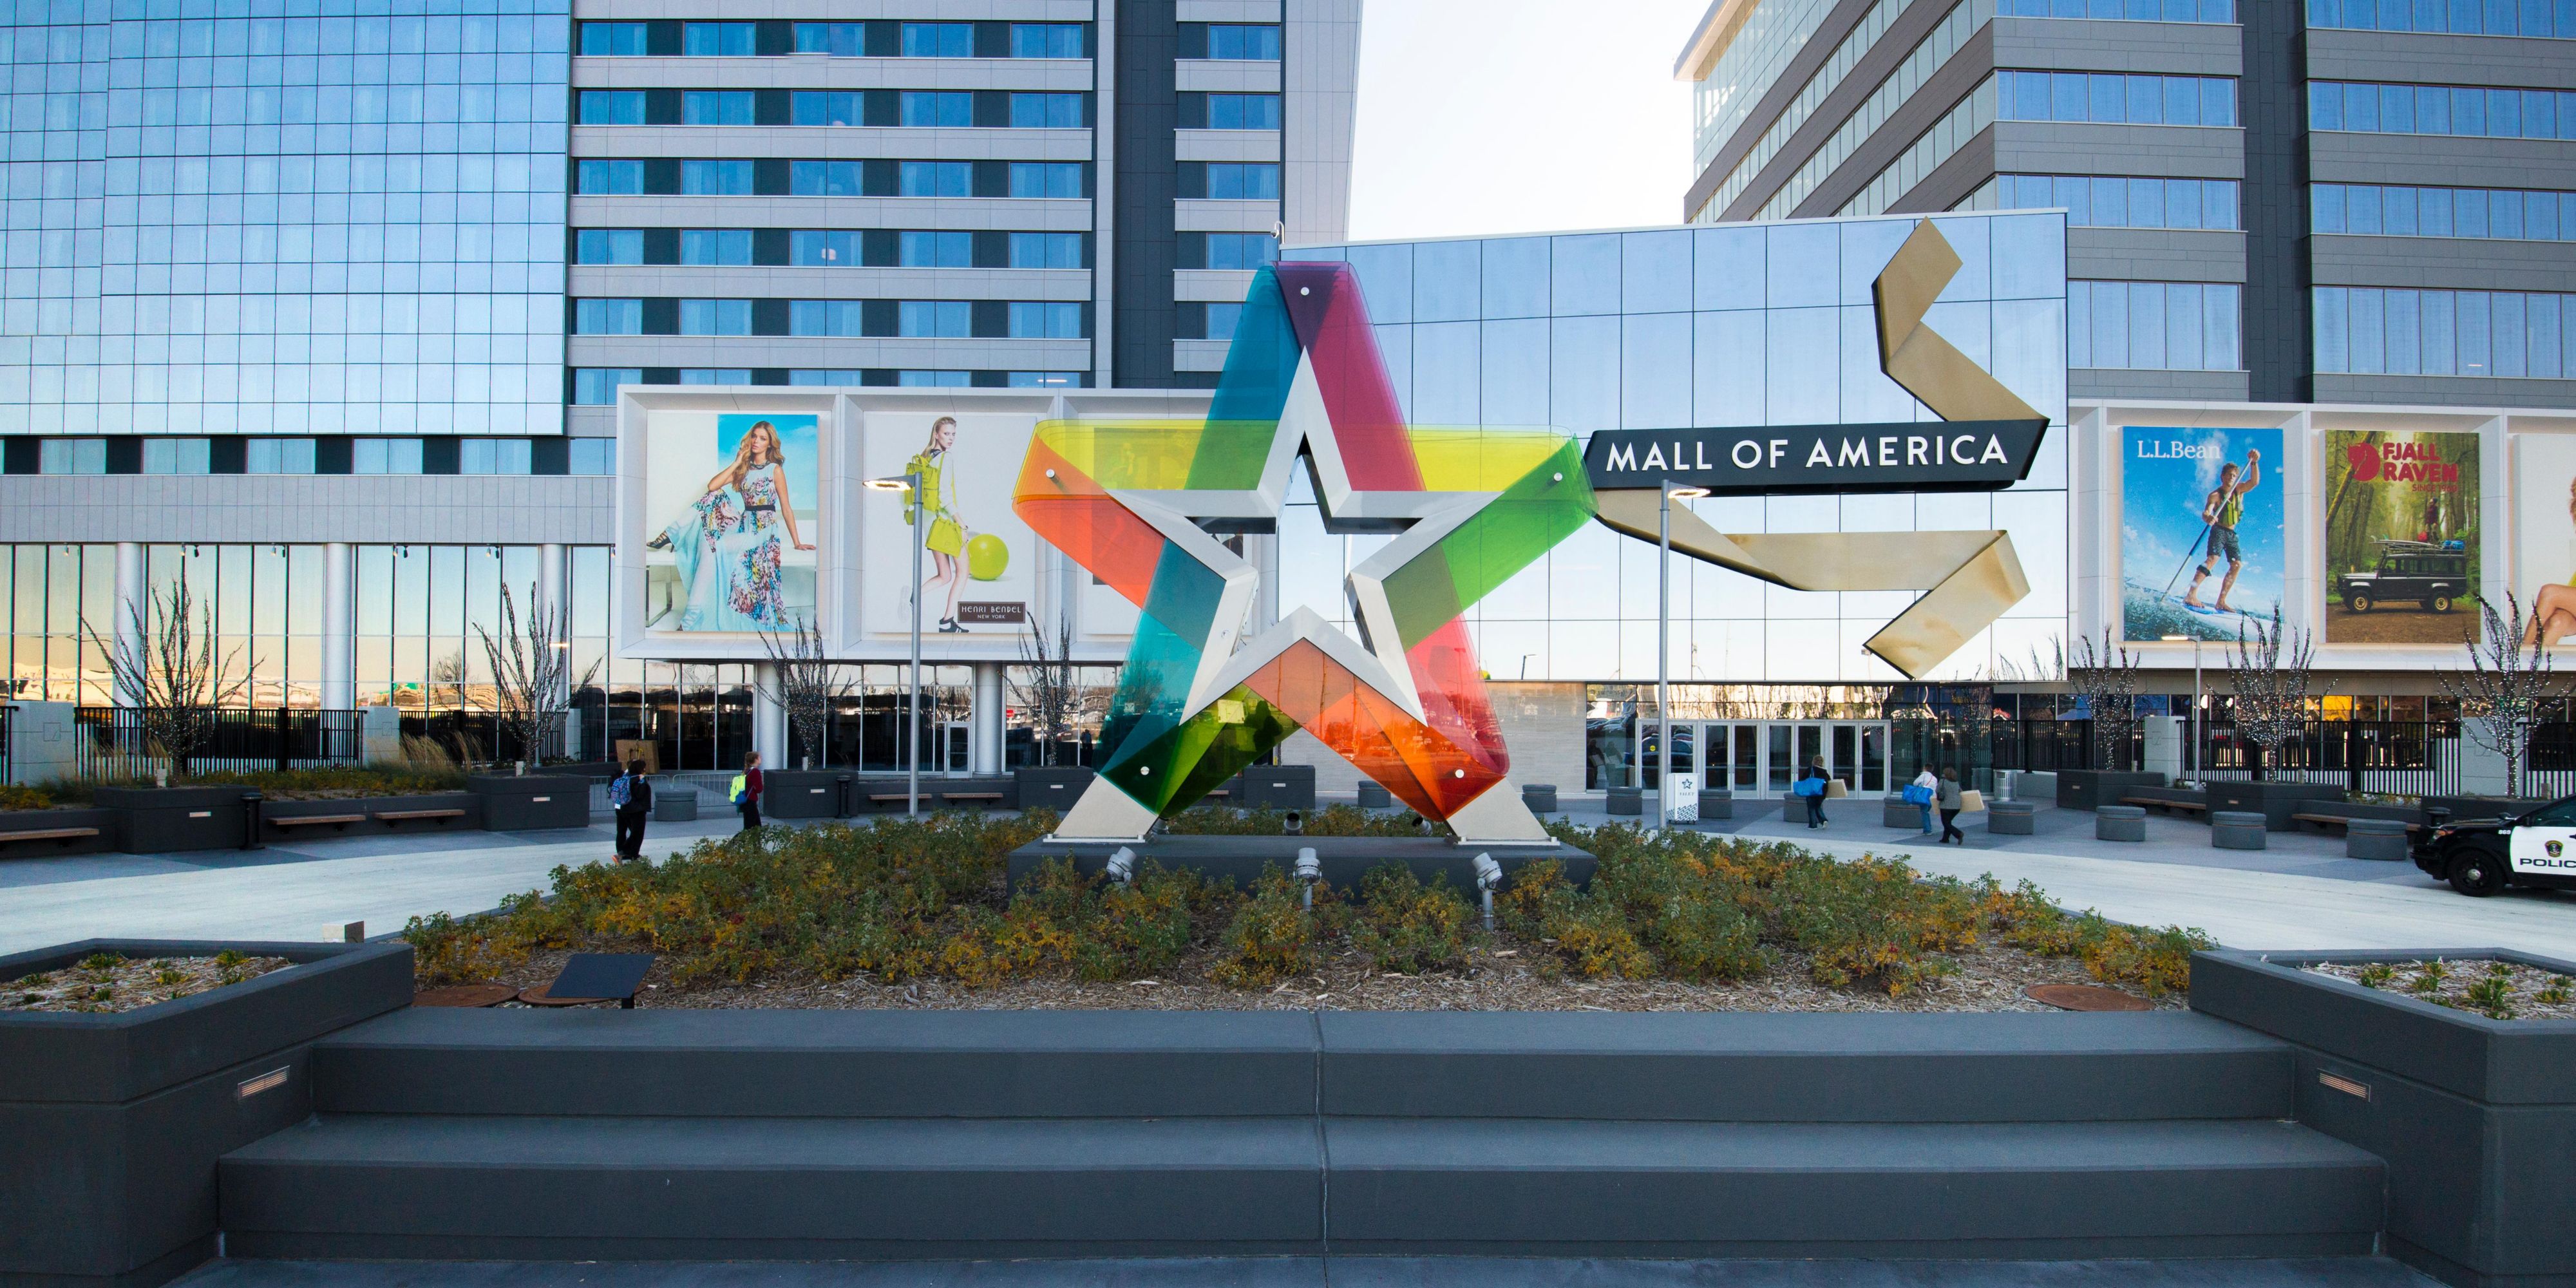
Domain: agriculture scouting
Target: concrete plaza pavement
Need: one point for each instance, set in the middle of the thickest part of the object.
(2299, 894)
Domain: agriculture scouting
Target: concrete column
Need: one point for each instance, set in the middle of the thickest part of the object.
(2481, 765)
(44, 743)
(379, 734)
(132, 613)
(991, 696)
(339, 626)
(2164, 746)
(768, 719)
(553, 596)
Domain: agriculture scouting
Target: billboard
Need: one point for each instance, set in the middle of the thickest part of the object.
(2544, 489)
(733, 516)
(978, 561)
(2401, 536)
(2202, 539)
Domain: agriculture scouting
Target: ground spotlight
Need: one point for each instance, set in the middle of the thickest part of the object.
(1489, 877)
(1309, 871)
(1121, 867)
(1296, 823)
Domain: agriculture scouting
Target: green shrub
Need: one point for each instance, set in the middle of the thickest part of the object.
(1273, 937)
(1401, 925)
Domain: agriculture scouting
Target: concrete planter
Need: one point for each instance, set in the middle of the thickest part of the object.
(535, 802)
(1541, 798)
(1628, 801)
(2276, 802)
(166, 820)
(1277, 787)
(2092, 788)
(2475, 1117)
(2237, 830)
(1896, 811)
(675, 801)
(2012, 818)
(1054, 787)
(2383, 839)
(1716, 804)
(115, 1121)
(1373, 796)
(2120, 823)
(378, 815)
(2465, 808)
(801, 793)
(22, 822)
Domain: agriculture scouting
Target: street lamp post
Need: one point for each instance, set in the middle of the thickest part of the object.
(911, 483)
(1663, 646)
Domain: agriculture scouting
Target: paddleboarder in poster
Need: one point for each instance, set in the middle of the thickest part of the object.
(2222, 511)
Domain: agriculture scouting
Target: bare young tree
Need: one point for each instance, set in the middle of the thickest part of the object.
(806, 686)
(2508, 684)
(1047, 692)
(532, 679)
(173, 675)
(2107, 680)
(2271, 674)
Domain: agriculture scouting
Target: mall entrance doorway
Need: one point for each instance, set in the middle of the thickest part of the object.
(1762, 757)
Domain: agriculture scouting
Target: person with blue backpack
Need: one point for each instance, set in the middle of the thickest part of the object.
(1919, 794)
(746, 791)
(631, 795)
(1811, 786)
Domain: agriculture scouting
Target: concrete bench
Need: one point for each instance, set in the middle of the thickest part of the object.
(2119, 823)
(1625, 800)
(2188, 807)
(2345, 822)
(995, 797)
(2232, 829)
(1540, 798)
(1376, 796)
(2012, 818)
(415, 815)
(316, 820)
(1896, 811)
(2385, 839)
(50, 834)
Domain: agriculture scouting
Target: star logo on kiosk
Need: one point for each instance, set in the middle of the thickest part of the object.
(1143, 505)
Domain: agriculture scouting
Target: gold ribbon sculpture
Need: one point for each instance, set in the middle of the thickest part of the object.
(1968, 578)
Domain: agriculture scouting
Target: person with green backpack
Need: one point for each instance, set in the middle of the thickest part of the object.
(746, 791)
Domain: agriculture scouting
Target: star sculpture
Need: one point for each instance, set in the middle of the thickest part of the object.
(1140, 505)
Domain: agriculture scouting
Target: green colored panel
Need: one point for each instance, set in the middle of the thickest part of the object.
(1540, 509)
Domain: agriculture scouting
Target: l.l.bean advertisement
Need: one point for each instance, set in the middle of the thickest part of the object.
(2202, 537)
(978, 561)
(2401, 536)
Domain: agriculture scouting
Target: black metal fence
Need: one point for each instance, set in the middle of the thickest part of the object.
(2399, 757)
(114, 743)
(2046, 746)
(481, 738)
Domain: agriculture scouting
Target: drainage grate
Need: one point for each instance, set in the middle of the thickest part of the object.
(269, 1081)
(2337, 1082)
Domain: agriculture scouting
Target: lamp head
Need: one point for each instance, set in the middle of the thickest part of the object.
(898, 483)
(1309, 868)
(1121, 867)
(1685, 492)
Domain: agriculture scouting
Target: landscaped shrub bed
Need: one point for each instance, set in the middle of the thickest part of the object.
(925, 900)
(2495, 989)
(104, 983)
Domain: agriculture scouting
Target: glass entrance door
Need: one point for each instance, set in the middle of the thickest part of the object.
(1765, 759)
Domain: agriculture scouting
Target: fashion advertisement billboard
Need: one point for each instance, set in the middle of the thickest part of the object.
(2544, 539)
(2202, 537)
(2401, 536)
(978, 561)
(733, 515)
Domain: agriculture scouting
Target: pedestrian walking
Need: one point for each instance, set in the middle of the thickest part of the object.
(631, 795)
(1922, 791)
(1812, 784)
(746, 791)
(1950, 804)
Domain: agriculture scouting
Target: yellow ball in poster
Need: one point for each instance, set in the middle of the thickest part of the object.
(987, 557)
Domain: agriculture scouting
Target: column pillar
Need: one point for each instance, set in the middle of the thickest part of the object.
(991, 695)
(549, 601)
(339, 626)
(768, 719)
(131, 614)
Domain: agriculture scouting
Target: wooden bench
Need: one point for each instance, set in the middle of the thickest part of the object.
(49, 834)
(2339, 820)
(2190, 806)
(317, 820)
(887, 798)
(408, 815)
(970, 796)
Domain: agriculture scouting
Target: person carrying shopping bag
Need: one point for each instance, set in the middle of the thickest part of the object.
(1950, 806)
(1811, 785)
(1920, 794)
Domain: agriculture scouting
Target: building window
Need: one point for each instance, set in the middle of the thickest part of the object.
(2395, 211)
(612, 39)
(2371, 331)
(2167, 326)
(1243, 181)
(935, 319)
(1242, 111)
(1046, 40)
(935, 250)
(715, 317)
(934, 379)
(1046, 179)
(811, 248)
(2458, 18)
(938, 40)
(1045, 380)
(825, 317)
(825, 376)
(2114, 98)
(609, 246)
(387, 455)
(177, 455)
(936, 179)
(1046, 250)
(277, 456)
(826, 107)
(72, 456)
(608, 317)
(592, 456)
(827, 179)
(1031, 320)
(2460, 111)
(1243, 41)
(716, 178)
(1239, 250)
(612, 107)
(597, 386)
(925, 108)
(495, 456)
(1210, 321)
(1046, 112)
(2128, 10)
(715, 375)
(724, 246)
(719, 40)
(2098, 201)
(610, 178)
(716, 107)
(838, 39)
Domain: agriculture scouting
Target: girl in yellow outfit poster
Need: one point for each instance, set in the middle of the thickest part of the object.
(944, 535)
(972, 593)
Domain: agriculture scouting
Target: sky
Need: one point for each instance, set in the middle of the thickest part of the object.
(1509, 116)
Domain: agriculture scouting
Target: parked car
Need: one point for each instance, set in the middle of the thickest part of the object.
(2431, 573)
(2481, 856)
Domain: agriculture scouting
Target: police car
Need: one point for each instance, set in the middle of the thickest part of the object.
(2484, 855)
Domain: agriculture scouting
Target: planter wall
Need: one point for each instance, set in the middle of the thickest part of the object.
(2475, 1117)
(2034, 787)
(537, 801)
(2088, 788)
(1054, 787)
(115, 1121)
(2276, 802)
(51, 820)
(165, 820)
(1277, 787)
(374, 808)
(801, 793)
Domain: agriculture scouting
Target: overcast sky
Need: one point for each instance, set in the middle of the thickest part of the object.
(1504, 116)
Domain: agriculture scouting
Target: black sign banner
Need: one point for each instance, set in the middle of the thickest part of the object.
(1775, 460)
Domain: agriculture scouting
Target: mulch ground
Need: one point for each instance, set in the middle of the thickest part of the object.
(2523, 998)
(128, 985)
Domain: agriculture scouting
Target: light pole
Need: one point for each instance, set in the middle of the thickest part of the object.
(911, 483)
(1665, 493)
(2195, 698)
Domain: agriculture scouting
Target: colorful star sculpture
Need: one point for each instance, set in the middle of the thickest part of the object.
(1138, 504)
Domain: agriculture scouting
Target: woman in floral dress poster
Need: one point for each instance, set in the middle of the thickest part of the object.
(728, 547)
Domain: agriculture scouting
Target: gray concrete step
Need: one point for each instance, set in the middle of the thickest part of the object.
(435, 1187)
